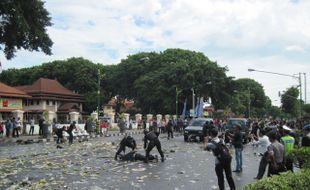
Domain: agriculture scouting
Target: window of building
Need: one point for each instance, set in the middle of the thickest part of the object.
(31, 102)
(54, 103)
(38, 102)
(47, 102)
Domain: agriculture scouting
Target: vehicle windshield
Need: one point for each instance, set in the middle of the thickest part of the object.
(233, 122)
(198, 123)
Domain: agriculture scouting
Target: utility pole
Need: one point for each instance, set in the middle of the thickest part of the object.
(249, 103)
(176, 101)
(300, 94)
(98, 93)
(305, 81)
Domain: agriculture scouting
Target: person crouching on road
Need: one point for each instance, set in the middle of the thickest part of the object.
(151, 140)
(222, 160)
(128, 141)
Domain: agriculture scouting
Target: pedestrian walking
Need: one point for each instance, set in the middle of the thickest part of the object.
(150, 141)
(222, 160)
(263, 142)
(31, 126)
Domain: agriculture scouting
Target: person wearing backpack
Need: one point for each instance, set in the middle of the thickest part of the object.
(222, 160)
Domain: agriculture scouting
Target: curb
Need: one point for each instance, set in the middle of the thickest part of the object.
(78, 138)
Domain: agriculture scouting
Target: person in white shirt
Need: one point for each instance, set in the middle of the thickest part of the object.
(263, 142)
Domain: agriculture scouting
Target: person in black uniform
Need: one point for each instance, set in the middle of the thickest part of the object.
(59, 134)
(69, 131)
(151, 140)
(205, 130)
(128, 141)
(170, 129)
(134, 156)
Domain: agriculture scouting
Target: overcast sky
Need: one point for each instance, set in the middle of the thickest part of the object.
(268, 35)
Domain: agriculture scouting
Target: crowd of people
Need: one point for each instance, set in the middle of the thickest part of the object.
(12, 126)
(274, 141)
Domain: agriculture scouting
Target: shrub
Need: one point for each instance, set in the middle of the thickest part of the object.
(284, 181)
(288, 180)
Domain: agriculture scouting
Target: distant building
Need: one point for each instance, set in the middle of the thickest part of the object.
(11, 99)
(49, 95)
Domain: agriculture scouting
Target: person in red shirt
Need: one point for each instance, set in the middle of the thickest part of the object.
(1, 128)
(105, 128)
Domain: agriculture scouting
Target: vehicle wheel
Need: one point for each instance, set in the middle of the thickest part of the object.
(185, 138)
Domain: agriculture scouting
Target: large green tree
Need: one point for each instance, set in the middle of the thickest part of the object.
(249, 98)
(23, 25)
(151, 79)
(290, 102)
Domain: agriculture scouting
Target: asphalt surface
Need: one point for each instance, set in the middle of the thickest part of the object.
(90, 165)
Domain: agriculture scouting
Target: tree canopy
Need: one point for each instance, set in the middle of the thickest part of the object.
(23, 25)
(152, 80)
(290, 102)
(249, 97)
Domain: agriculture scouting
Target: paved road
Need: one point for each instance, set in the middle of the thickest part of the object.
(90, 165)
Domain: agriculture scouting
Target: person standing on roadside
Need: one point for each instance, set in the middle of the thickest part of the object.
(222, 159)
(275, 155)
(1, 128)
(15, 129)
(170, 129)
(31, 126)
(69, 131)
(288, 143)
(237, 142)
(8, 128)
(41, 123)
(305, 141)
(263, 142)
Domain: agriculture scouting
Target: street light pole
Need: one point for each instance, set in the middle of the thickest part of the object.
(300, 94)
(249, 103)
(98, 93)
(293, 76)
(176, 101)
(305, 81)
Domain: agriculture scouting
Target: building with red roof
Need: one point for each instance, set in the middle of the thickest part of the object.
(50, 95)
(11, 99)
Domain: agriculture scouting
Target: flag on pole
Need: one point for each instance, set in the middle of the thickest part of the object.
(184, 109)
(197, 106)
(200, 108)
